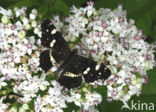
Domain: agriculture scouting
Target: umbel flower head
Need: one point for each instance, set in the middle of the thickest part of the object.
(19, 57)
(16, 45)
(107, 36)
(20, 46)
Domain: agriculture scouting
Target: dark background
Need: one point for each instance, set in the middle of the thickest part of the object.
(142, 11)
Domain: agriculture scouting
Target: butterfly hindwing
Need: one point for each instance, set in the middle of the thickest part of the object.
(95, 72)
(70, 80)
(89, 73)
(90, 69)
(45, 62)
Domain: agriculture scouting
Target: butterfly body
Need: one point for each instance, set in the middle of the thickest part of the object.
(73, 67)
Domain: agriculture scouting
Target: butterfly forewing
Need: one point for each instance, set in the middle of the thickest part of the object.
(90, 70)
(60, 51)
(47, 27)
(51, 38)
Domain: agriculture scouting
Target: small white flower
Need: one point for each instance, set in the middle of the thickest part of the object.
(9, 13)
(33, 23)
(32, 16)
(36, 30)
(90, 11)
(2, 83)
(34, 11)
(17, 13)
(27, 26)
(25, 106)
(2, 106)
(21, 109)
(77, 103)
(85, 21)
(21, 34)
(25, 21)
(13, 109)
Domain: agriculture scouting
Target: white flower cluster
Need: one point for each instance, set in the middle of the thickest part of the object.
(106, 36)
(56, 98)
(29, 87)
(18, 52)
(53, 101)
(89, 100)
(19, 55)
(102, 35)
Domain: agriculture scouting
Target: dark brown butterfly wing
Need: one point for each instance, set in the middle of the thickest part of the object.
(70, 80)
(51, 38)
(73, 65)
(81, 66)
(45, 62)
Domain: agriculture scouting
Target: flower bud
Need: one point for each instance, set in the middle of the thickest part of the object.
(5, 19)
(25, 106)
(21, 34)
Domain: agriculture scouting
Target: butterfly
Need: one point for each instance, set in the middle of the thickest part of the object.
(73, 67)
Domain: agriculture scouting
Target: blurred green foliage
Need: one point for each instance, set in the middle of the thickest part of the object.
(142, 11)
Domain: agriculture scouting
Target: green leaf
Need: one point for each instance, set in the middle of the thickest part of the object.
(150, 87)
(61, 6)
(77, 3)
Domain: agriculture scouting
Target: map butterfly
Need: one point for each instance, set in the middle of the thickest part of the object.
(72, 67)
